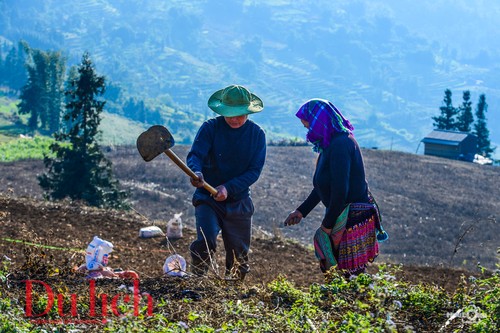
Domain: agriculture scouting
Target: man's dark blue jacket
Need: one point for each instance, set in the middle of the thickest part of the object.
(233, 157)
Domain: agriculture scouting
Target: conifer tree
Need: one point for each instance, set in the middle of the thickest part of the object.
(33, 94)
(42, 96)
(446, 120)
(480, 129)
(66, 122)
(55, 90)
(80, 171)
(465, 117)
(14, 67)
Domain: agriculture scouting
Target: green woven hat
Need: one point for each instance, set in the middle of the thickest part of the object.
(234, 100)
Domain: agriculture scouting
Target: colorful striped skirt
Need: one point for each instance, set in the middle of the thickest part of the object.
(358, 243)
(353, 241)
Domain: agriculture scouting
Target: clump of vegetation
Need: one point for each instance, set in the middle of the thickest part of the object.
(287, 142)
(26, 148)
(461, 119)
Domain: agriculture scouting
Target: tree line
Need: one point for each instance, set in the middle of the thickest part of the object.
(38, 77)
(461, 119)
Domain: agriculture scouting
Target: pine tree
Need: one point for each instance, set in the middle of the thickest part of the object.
(42, 96)
(55, 93)
(40, 66)
(33, 95)
(20, 75)
(66, 122)
(129, 109)
(480, 129)
(9, 64)
(446, 120)
(465, 117)
(14, 67)
(80, 171)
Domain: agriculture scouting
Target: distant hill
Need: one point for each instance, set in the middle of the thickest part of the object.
(386, 64)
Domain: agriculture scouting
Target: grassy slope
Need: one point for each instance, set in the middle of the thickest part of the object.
(116, 130)
(8, 128)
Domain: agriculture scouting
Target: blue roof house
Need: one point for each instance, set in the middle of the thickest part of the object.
(450, 144)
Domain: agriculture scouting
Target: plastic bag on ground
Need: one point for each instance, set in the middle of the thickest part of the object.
(149, 232)
(96, 255)
(174, 227)
(175, 265)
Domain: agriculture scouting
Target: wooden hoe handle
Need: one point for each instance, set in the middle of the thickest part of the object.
(188, 171)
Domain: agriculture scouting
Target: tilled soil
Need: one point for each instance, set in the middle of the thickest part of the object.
(44, 240)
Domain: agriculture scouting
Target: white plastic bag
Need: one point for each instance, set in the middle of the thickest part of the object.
(174, 227)
(175, 265)
(97, 253)
(152, 231)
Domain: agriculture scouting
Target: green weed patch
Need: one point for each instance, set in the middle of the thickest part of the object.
(25, 148)
(366, 303)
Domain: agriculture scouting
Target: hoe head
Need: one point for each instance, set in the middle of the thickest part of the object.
(155, 141)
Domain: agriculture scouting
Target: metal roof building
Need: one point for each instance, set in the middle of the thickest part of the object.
(450, 144)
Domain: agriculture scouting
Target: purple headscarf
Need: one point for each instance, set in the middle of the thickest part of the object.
(324, 121)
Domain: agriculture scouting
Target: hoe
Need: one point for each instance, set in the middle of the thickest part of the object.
(157, 140)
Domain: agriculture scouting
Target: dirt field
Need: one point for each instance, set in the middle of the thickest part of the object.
(427, 205)
(55, 236)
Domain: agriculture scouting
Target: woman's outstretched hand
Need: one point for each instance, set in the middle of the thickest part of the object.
(293, 218)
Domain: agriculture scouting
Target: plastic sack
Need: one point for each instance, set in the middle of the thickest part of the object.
(152, 231)
(97, 253)
(175, 265)
(174, 227)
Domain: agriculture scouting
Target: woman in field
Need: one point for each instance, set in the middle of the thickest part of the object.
(347, 236)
